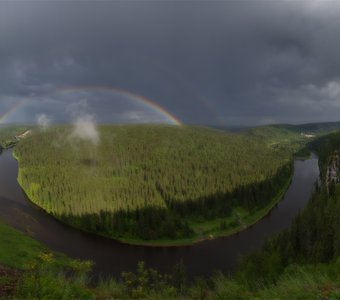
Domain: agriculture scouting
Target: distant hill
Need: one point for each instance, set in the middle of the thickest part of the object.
(291, 136)
(308, 128)
(323, 127)
(316, 128)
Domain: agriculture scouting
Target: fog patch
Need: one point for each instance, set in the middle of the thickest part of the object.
(43, 121)
(85, 129)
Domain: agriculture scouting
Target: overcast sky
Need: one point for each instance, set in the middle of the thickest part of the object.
(219, 63)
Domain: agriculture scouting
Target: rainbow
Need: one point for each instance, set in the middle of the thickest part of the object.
(12, 109)
(141, 99)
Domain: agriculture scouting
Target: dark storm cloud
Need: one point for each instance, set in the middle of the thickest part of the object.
(233, 62)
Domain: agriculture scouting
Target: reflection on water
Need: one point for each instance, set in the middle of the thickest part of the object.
(112, 257)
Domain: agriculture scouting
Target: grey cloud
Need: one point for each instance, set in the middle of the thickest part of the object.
(232, 62)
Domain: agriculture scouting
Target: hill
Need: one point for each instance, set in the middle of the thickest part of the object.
(293, 138)
(289, 132)
(153, 183)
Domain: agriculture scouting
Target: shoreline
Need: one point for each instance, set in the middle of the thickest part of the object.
(220, 234)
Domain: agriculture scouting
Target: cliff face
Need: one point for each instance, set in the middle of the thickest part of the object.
(333, 169)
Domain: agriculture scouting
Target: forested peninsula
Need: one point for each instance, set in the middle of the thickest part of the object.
(154, 184)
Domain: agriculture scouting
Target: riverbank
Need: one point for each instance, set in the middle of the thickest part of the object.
(211, 228)
(29, 270)
(44, 275)
(239, 220)
(11, 134)
(17, 248)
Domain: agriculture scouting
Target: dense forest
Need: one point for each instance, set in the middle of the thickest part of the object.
(151, 182)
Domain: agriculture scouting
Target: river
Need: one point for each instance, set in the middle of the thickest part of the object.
(112, 257)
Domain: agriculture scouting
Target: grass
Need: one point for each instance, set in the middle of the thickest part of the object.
(307, 282)
(29, 270)
(16, 248)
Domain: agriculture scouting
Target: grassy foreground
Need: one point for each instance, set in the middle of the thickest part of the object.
(16, 249)
(29, 271)
(153, 184)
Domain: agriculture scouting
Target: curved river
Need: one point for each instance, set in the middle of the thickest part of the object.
(112, 257)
